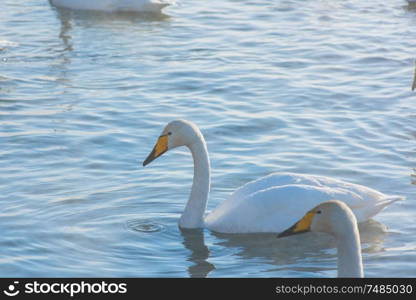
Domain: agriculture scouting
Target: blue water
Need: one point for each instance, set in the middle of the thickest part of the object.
(321, 87)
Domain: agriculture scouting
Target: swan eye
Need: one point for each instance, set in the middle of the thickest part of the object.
(169, 133)
(319, 211)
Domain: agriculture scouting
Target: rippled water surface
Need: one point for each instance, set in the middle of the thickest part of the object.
(319, 87)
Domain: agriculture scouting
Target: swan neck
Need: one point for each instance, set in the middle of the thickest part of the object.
(349, 253)
(193, 215)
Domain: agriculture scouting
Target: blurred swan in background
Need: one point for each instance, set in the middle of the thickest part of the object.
(153, 6)
(336, 218)
(269, 204)
(412, 3)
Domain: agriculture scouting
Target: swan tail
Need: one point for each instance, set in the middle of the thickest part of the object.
(366, 214)
(393, 198)
(385, 202)
(161, 5)
(389, 200)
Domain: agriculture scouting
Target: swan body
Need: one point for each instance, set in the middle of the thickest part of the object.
(269, 204)
(112, 5)
(336, 218)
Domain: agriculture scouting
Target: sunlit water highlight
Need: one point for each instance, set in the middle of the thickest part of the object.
(320, 87)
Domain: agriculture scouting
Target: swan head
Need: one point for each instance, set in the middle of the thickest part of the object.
(330, 217)
(176, 133)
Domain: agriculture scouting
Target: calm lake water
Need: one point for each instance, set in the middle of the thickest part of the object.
(320, 87)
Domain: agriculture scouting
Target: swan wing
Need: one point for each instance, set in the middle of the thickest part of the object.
(280, 179)
(373, 201)
(273, 180)
(276, 208)
(273, 209)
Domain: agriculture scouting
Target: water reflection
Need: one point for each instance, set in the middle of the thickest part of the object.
(66, 26)
(88, 18)
(64, 57)
(120, 21)
(193, 240)
(285, 254)
(290, 253)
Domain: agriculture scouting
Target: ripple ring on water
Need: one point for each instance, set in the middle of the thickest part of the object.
(147, 226)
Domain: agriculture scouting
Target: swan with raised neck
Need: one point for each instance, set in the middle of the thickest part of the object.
(335, 218)
(268, 204)
(184, 133)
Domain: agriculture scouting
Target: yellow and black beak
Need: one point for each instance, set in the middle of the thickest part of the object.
(160, 148)
(304, 225)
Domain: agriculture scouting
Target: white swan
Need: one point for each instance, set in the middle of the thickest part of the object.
(269, 204)
(154, 6)
(336, 218)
